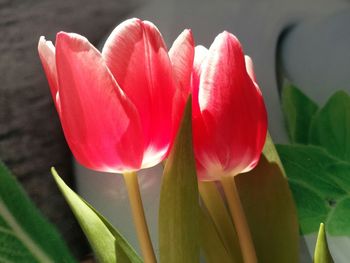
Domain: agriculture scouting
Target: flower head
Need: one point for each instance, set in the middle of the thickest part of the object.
(229, 115)
(117, 106)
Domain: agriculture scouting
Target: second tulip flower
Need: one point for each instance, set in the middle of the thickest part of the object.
(229, 115)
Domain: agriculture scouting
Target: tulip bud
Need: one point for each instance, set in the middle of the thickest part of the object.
(229, 115)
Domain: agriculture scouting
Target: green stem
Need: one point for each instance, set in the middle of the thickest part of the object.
(239, 219)
(138, 214)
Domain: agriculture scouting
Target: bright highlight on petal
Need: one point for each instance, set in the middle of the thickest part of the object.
(138, 59)
(250, 68)
(47, 56)
(181, 56)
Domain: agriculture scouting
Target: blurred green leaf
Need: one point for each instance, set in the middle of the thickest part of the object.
(107, 243)
(211, 243)
(321, 187)
(221, 220)
(298, 111)
(25, 235)
(322, 254)
(179, 200)
(270, 211)
(330, 127)
(271, 154)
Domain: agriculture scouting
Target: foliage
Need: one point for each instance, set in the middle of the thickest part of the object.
(318, 165)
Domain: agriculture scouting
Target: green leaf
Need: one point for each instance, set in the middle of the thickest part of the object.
(211, 243)
(221, 219)
(270, 211)
(321, 188)
(271, 153)
(25, 235)
(330, 128)
(124, 251)
(298, 111)
(179, 200)
(322, 254)
(107, 243)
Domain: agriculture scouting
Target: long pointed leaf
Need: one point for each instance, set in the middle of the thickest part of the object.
(25, 235)
(123, 249)
(220, 216)
(270, 211)
(322, 254)
(212, 245)
(106, 241)
(179, 200)
(271, 154)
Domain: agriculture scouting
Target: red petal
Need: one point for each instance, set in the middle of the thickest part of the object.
(230, 133)
(137, 57)
(250, 67)
(181, 56)
(100, 124)
(47, 56)
(200, 55)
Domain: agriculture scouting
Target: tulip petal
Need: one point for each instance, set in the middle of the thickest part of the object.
(200, 55)
(181, 55)
(101, 125)
(47, 56)
(137, 57)
(231, 130)
(250, 68)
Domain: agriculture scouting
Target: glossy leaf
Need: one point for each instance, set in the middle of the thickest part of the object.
(298, 111)
(179, 200)
(322, 254)
(107, 243)
(25, 235)
(270, 211)
(324, 182)
(331, 126)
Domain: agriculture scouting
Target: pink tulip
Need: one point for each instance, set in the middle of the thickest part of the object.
(117, 106)
(229, 115)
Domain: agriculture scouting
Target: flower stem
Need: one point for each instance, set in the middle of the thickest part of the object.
(239, 219)
(138, 214)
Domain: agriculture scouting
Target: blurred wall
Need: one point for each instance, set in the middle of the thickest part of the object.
(258, 24)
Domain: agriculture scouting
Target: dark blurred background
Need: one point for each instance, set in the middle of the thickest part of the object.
(31, 139)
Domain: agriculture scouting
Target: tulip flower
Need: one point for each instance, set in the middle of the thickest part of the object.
(229, 123)
(117, 107)
(120, 108)
(229, 115)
